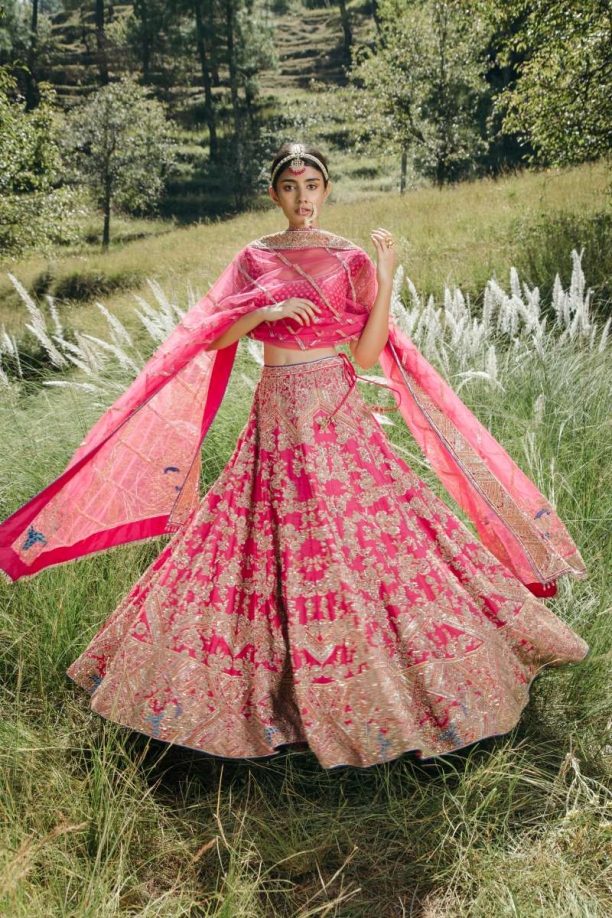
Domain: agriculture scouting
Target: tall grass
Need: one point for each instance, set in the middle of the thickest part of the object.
(99, 820)
(461, 236)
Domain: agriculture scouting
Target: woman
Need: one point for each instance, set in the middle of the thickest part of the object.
(319, 592)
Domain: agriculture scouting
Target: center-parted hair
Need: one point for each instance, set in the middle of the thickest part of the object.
(285, 150)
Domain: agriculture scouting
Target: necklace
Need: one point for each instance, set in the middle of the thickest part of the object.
(295, 238)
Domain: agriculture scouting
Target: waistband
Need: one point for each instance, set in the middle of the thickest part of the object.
(336, 360)
(303, 365)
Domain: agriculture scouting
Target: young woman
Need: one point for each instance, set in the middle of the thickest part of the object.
(319, 593)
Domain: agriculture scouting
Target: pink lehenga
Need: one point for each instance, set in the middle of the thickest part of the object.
(320, 592)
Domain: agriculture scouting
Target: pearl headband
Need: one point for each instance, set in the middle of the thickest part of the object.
(297, 156)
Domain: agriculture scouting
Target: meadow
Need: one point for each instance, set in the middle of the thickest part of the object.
(97, 820)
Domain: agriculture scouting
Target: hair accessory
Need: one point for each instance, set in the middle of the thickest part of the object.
(298, 156)
(297, 163)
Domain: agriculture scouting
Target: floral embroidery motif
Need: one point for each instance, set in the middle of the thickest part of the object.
(321, 593)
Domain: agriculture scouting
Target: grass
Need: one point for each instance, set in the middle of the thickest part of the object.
(461, 236)
(98, 820)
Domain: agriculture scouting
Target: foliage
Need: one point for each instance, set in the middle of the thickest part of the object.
(33, 212)
(14, 29)
(562, 99)
(544, 242)
(29, 151)
(15, 34)
(122, 147)
(153, 36)
(424, 85)
(255, 52)
(24, 53)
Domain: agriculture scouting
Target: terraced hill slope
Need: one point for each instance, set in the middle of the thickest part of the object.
(308, 42)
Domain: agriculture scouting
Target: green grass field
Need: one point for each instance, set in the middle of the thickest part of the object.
(99, 821)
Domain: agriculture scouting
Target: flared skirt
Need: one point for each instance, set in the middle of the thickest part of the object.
(321, 593)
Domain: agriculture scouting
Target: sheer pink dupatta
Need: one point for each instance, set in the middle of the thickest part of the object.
(136, 475)
(514, 520)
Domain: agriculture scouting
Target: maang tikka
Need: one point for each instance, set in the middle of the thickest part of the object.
(298, 157)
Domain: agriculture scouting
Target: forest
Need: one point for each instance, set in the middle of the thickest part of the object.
(173, 109)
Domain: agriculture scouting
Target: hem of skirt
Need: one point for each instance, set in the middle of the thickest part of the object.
(437, 755)
(276, 750)
(160, 739)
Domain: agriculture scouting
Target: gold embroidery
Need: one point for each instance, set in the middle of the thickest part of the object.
(321, 593)
(302, 239)
(546, 562)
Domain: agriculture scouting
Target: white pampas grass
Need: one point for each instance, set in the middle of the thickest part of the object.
(464, 345)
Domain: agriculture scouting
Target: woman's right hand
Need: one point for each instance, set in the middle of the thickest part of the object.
(302, 310)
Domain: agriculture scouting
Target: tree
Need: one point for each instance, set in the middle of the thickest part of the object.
(561, 101)
(101, 41)
(26, 43)
(424, 84)
(33, 212)
(248, 36)
(204, 55)
(255, 51)
(122, 147)
(347, 29)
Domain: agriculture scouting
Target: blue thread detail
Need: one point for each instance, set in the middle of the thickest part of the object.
(33, 537)
(155, 721)
(96, 679)
(174, 468)
(178, 710)
(542, 513)
(384, 744)
(270, 731)
(451, 735)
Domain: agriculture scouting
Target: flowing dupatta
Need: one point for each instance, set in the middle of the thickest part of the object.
(136, 475)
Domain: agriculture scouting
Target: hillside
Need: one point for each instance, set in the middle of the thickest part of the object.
(308, 43)
(462, 235)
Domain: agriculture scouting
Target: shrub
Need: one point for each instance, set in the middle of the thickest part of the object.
(85, 285)
(543, 247)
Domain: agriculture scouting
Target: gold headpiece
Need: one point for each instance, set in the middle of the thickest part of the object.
(297, 156)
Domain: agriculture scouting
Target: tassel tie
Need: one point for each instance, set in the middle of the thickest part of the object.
(351, 377)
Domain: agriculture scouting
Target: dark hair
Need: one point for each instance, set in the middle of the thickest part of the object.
(285, 150)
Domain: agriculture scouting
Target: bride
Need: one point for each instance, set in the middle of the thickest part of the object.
(319, 593)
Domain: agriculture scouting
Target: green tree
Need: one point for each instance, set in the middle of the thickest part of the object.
(424, 85)
(33, 211)
(561, 101)
(248, 34)
(27, 43)
(122, 147)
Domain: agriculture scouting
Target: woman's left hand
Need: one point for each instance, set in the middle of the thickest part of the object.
(386, 254)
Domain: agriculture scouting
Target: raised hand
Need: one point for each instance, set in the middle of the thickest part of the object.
(386, 254)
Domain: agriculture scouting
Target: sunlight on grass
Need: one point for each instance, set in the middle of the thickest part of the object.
(100, 820)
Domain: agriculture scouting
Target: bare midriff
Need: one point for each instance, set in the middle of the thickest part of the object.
(283, 356)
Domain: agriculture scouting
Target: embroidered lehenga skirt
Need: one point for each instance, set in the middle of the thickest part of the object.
(322, 594)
